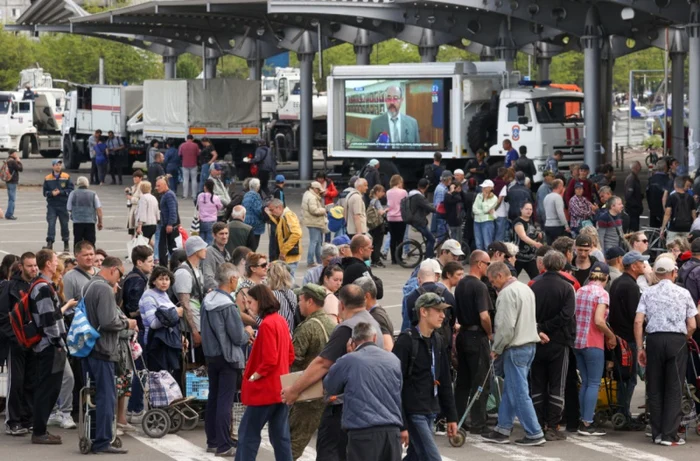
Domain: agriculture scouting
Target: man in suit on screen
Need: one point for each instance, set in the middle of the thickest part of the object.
(392, 126)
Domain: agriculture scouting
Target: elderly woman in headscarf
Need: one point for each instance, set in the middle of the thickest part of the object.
(253, 204)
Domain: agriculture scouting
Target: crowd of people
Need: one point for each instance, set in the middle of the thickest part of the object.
(470, 327)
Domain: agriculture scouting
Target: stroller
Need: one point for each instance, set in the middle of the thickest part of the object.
(86, 420)
(613, 388)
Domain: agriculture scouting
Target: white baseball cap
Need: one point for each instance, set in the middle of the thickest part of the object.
(665, 265)
(487, 183)
(431, 264)
(459, 171)
(453, 246)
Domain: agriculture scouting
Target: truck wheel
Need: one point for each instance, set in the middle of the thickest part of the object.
(71, 160)
(482, 131)
(50, 153)
(26, 147)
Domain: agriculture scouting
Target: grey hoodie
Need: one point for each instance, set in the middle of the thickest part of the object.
(222, 329)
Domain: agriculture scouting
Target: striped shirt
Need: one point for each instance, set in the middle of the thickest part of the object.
(45, 306)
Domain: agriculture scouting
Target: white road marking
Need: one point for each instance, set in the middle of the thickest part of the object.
(614, 449)
(507, 451)
(175, 447)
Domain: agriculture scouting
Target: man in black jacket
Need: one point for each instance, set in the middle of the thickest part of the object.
(22, 361)
(525, 164)
(554, 309)
(633, 196)
(427, 388)
(518, 194)
(354, 267)
(420, 209)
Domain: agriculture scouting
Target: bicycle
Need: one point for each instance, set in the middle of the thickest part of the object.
(652, 158)
(657, 243)
(410, 253)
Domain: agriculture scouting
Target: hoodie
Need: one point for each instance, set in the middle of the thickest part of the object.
(222, 329)
(420, 208)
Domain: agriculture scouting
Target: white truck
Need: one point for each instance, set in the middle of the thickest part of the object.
(407, 112)
(283, 108)
(32, 125)
(227, 112)
(102, 107)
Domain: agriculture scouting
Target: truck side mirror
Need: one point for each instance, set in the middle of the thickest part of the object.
(521, 110)
(523, 120)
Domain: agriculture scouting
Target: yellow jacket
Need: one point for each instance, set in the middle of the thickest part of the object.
(288, 235)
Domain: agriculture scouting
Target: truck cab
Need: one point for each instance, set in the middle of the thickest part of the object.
(543, 119)
(31, 126)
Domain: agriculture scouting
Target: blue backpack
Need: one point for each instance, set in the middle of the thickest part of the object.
(82, 336)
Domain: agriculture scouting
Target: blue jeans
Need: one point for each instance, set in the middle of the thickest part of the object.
(501, 228)
(173, 181)
(421, 444)
(101, 373)
(223, 380)
(292, 268)
(483, 234)
(205, 231)
(590, 363)
(203, 177)
(315, 242)
(11, 196)
(429, 241)
(60, 212)
(251, 426)
(516, 399)
(135, 404)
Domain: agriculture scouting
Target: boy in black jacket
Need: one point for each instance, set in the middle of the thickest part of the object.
(427, 385)
(554, 309)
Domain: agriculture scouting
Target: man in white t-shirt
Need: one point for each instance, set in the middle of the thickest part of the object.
(188, 286)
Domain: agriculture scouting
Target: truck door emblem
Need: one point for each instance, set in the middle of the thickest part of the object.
(516, 133)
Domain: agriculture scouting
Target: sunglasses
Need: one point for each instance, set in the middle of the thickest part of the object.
(484, 262)
(263, 265)
(643, 241)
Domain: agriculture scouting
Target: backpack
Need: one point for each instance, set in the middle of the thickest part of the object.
(336, 220)
(374, 219)
(345, 203)
(406, 211)
(5, 173)
(26, 331)
(429, 173)
(415, 338)
(683, 213)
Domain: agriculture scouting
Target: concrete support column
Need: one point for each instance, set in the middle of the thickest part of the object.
(306, 129)
(693, 30)
(362, 54)
(606, 94)
(487, 54)
(254, 69)
(677, 51)
(170, 67)
(506, 49)
(543, 68)
(592, 41)
(428, 53)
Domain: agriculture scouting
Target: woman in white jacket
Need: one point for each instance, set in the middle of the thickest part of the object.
(316, 220)
(147, 212)
(133, 195)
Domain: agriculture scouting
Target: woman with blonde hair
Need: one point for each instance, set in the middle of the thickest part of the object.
(280, 282)
(484, 215)
(397, 228)
(678, 246)
(133, 195)
(597, 251)
(147, 212)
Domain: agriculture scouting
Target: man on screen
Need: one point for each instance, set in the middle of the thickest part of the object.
(392, 126)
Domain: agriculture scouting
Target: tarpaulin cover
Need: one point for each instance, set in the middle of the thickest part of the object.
(165, 103)
(225, 103)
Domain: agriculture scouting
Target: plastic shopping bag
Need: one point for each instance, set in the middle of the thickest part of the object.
(139, 240)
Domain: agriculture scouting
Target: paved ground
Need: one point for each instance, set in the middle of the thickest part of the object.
(29, 232)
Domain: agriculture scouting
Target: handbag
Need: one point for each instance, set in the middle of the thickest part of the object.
(82, 336)
(163, 389)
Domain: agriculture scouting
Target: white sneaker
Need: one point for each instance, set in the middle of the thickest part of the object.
(135, 418)
(67, 422)
(56, 419)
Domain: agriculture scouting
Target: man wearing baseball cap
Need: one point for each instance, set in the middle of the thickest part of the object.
(57, 188)
(669, 313)
(428, 276)
(427, 388)
(614, 259)
(624, 299)
(498, 252)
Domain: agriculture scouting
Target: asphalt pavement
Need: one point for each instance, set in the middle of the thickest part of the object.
(28, 233)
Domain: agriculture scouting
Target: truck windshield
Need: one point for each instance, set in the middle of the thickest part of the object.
(4, 105)
(559, 109)
(269, 84)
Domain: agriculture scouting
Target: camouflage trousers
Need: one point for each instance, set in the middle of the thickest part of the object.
(304, 419)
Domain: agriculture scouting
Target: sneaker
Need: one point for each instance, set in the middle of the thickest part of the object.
(647, 430)
(46, 439)
(657, 440)
(56, 419)
(528, 442)
(590, 430)
(673, 443)
(15, 429)
(66, 247)
(496, 437)
(126, 427)
(68, 422)
(211, 449)
(135, 417)
(11, 218)
(230, 453)
(553, 435)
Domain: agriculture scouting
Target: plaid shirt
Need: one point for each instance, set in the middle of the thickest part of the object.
(587, 300)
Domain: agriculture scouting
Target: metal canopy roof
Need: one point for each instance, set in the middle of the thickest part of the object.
(257, 29)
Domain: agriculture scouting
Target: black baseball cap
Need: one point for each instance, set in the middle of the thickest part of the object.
(614, 253)
(497, 246)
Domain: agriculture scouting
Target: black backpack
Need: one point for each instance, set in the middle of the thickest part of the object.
(429, 173)
(683, 213)
(415, 338)
(406, 212)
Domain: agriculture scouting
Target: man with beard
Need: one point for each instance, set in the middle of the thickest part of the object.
(400, 128)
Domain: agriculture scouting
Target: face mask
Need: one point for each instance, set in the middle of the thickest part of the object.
(368, 262)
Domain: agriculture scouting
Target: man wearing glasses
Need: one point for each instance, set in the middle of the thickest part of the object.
(105, 316)
(393, 127)
(473, 311)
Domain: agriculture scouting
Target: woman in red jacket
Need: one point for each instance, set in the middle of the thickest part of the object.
(329, 190)
(271, 357)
